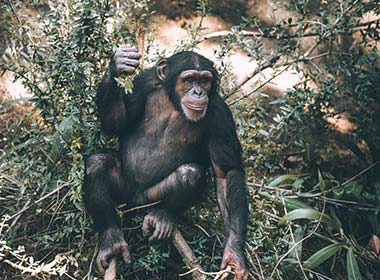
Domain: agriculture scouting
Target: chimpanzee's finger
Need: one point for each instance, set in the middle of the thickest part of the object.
(126, 255)
(129, 49)
(131, 62)
(103, 264)
(227, 273)
(146, 226)
(224, 263)
(127, 69)
(100, 265)
(111, 272)
(133, 55)
(168, 231)
(156, 232)
(126, 54)
(163, 231)
(241, 275)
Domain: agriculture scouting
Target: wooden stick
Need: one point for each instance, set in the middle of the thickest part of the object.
(226, 273)
(111, 272)
(187, 254)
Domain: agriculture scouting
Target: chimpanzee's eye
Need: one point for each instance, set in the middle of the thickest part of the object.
(204, 80)
(190, 80)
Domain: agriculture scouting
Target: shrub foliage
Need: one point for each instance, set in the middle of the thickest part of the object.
(314, 189)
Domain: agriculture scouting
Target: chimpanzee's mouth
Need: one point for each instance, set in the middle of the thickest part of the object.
(195, 107)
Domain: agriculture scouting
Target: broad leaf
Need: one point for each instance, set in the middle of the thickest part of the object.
(281, 179)
(322, 255)
(293, 203)
(309, 214)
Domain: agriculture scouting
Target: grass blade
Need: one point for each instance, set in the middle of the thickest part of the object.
(353, 271)
(322, 184)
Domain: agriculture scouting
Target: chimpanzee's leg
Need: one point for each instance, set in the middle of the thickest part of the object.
(102, 185)
(177, 192)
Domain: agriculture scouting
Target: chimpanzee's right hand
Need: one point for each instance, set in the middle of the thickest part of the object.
(124, 60)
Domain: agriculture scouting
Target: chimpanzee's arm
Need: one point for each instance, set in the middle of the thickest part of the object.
(111, 99)
(225, 155)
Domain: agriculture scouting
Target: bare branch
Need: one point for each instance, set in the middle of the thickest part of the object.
(188, 256)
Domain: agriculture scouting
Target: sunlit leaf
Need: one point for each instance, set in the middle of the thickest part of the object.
(281, 179)
(309, 214)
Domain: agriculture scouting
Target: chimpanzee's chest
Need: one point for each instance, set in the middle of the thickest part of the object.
(163, 140)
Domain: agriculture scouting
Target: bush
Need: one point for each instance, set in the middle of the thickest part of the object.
(298, 222)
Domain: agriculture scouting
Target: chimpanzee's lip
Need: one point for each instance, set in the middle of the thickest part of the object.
(195, 107)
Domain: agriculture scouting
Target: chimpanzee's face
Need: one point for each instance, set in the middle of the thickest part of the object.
(193, 88)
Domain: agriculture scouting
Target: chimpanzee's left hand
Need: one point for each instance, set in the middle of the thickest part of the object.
(234, 257)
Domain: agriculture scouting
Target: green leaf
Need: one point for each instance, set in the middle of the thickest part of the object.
(322, 184)
(353, 271)
(299, 233)
(309, 214)
(292, 203)
(61, 137)
(282, 179)
(322, 255)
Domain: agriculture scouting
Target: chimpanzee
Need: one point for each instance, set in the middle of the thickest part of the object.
(171, 129)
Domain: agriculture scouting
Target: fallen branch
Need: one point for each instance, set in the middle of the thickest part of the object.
(190, 260)
(37, 269)
(188, 256)
(110, 273)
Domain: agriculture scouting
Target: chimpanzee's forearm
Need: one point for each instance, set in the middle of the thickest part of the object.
(232, 199)
(111, 105)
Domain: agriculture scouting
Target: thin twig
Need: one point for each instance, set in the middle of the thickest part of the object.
(360, 173)
(258, 88)
(141, 207)
(218, 275)
(20, 267)
(266, 64)
(18, 217)
(225, 33)
(37, 201)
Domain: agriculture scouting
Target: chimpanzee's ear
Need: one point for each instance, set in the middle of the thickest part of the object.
(162, 67)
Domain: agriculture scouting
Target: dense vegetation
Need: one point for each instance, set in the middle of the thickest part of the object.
(314, 190)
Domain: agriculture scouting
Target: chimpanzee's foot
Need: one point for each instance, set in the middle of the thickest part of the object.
(112, 244)
(158, 224)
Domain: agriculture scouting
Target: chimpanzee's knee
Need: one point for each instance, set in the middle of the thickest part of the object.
(190, 175)
(102, 163)
(189, 188)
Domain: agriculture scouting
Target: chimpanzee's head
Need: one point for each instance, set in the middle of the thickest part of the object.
(190, 80)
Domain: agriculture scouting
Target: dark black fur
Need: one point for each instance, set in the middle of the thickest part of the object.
(161, 152)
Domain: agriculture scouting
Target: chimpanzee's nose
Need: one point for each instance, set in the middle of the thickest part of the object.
(198, 91)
